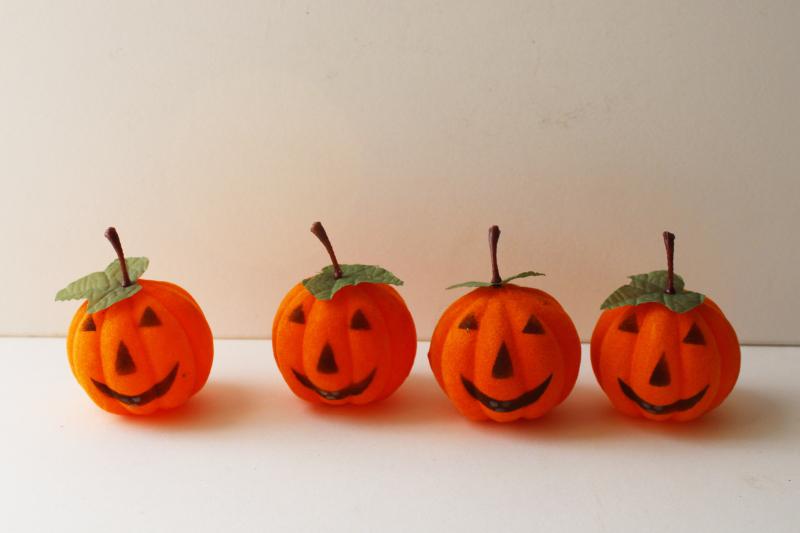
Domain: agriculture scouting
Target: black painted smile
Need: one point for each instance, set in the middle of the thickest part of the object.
(156, 391)
(504, 406)
(351, 390)
(677, 406)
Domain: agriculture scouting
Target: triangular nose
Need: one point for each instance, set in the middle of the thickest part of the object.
(502, 368)
(124, 364)
(327, 362)
(660, 376)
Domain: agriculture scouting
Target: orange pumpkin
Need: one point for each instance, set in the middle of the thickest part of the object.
(505, 352)
(344, 336)
(661, 352)
(136, 346)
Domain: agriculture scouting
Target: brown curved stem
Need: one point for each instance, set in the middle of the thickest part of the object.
(494, 236)
(113, 237)
(669, 244)
(319, 231)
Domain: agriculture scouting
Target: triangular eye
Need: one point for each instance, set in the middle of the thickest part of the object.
(297, 316)
(469, 322)
(629, 324)
(533, 327)
(149, 319)
(88, 325)
(695, 336)
(359, 321)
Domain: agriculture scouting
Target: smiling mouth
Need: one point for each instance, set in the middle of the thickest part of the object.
(680, 405)
(156, 391)
(504, 406)
(351, 390)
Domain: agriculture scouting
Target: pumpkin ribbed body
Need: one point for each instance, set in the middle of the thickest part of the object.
(148, 352)
(658, 364)
(504, 353)
(356, 348)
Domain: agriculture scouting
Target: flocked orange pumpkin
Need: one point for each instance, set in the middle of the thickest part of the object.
(661, 352)
(504, 352)
(344, 336)
(136, 346)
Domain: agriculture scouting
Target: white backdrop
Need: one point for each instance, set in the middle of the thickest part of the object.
(212, 134)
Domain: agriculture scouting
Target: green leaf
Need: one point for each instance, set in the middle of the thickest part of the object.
(110, 298)
(525, 274)
(470, 284)
(104, 289)
(323, 286)
(94, 283)
(136, 267)
(655, 281)
(683, 301)
(649, 288)
(625, 295)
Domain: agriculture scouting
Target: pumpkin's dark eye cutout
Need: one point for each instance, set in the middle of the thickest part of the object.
(359, 321)
(533, 327)
(88, 325)
(695, 336)
(149, 319)
(629, 324)
(297, 316)
(469, 322)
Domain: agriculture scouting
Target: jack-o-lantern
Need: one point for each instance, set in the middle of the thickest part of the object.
(136, 346)
(661, 352)
(505, 352)
(344, 336)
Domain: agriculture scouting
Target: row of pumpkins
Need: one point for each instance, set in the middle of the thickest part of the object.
(345, 336)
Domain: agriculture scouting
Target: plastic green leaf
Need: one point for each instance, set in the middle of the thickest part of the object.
(683, 301)
(136, 267)
(104, 289)
(470, 284)
(323, 286)
(656, 281)
(649, 288)
(94, 283)
(112, 297)
(525, 274)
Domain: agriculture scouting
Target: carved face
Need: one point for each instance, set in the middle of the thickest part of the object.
(357, 347)
(656, 363)
(505, 353)
(148, 352)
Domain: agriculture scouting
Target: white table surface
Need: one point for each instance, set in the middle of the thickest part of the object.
(246, 455)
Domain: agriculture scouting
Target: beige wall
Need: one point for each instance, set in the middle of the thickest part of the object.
(213, 136)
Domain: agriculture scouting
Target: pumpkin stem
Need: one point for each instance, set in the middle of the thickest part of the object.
(669, 244)
(494, 236)
(113, 237)
(319, 231)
